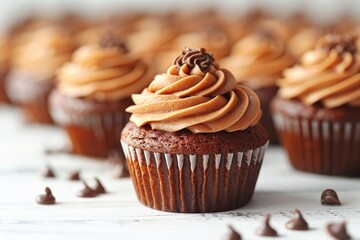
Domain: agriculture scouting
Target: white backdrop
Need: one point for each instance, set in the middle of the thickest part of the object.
(319, 10)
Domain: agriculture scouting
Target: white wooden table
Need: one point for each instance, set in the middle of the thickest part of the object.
(118, 215)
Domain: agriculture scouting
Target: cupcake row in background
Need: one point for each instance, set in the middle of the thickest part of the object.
(194, 134)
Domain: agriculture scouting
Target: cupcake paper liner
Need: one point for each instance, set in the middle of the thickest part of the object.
(31, 95)
(194, 182)
(93, 134)
(321, 146)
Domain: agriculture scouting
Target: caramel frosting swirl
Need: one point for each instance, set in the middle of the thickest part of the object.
(104, 72)
(187, 97)
(47, 49)
(258, 60)
(329, 75)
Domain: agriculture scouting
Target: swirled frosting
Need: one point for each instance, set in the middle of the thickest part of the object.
(197, 95)
(46, 50)
(258, 60)
(104, 72)
(330, 74)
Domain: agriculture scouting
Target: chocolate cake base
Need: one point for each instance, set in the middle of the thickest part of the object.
(188, 173)
(31, 93)
(94, 128)
(317, 139)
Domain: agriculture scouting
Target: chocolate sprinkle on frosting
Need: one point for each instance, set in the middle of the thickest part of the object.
(87, 192)
(329, 197)
(111, 40)
(99, 187)
(232, 234)
(48, 173)
(47, 198)
(298, 222)
(340, 44)
(192, 57)
(338, 231)
(265, 229)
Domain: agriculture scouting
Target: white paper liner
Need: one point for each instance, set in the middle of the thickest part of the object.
(194, 182)
(325, 147)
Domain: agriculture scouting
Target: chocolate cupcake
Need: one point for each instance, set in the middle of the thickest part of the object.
(193, 143)
(35, 63)
(92, 93)
(317, 110)
(4, 67)
(257, 61)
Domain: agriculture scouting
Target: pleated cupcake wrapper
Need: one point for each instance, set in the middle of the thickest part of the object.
(194, 182)
(101, 125)
(325, 147)
(19, 94)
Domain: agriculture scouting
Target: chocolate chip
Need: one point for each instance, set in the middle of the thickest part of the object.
(99, 187)
(330, 197)
(48, 173)
(87, 192)
(265, 229)
(232, 234)
(298, 222)
(47, 198)
(74, 176)
(338, 231)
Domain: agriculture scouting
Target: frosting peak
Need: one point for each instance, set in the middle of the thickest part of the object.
(201, 102)
(195, 57)
(329, 74)
(340, 44)
(110, 40)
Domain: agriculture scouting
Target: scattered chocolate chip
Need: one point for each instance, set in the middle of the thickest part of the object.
(47, 198)
(232, 234)
(99, 187)
(298, 222)
(74, 176)
(48, 173)
(329, 197)
(87, 192)
(338, 231)
(265, 229)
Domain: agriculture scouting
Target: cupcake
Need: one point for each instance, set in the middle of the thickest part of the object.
(4, 67)
(317, 109)
(257, 61)
(193, 143)
(34, 67)
(93, 92)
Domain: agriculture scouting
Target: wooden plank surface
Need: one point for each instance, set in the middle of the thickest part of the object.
(118, 215)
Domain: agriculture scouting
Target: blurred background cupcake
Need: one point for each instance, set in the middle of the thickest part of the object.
(92, 93)
(317, 110)
(257, 61)
(37, 55)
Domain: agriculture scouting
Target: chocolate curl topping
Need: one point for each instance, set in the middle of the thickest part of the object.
(340, 44)
(111, 40)
(192, 57)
